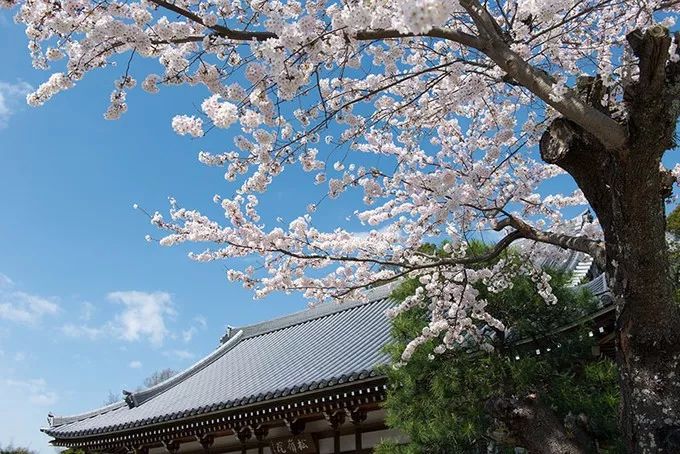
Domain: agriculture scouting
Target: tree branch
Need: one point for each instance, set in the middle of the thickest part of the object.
(491, 43)
(437, 32)
(583, 244)
(651, 47)
(225, 32)
(369, 35)
(610, 133)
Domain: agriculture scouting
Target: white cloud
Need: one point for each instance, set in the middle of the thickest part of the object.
(22, 307)
(44, 399)
(5, 281)
(199, 323)
(84, 331)
(188, 334)
(135, 364)
(86, 311)
(38, 394)
(12, 96)
(143, 315)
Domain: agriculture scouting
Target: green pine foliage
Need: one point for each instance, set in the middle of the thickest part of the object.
(673, 227)
(439, 400)
(673, 221)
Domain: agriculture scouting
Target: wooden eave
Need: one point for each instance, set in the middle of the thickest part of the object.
(308, 405)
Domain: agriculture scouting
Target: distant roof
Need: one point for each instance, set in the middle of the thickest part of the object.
(316, 348)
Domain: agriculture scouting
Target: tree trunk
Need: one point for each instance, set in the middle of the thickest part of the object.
(627, 190)
(648, 315)
(627, 193)
(536, 427)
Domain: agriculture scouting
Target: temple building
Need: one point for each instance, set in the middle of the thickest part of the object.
(304, 383)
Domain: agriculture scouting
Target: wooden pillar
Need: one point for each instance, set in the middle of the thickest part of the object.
(172, 446)
(358, 416)
(206, 441)
(260, 434)
(315, 437)
(244, 435)
(336, 419)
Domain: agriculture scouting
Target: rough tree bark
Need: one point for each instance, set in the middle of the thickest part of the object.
(626, 189)
(536, 427)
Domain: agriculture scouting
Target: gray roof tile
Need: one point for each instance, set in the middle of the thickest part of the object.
(308, 350)
(312, 349)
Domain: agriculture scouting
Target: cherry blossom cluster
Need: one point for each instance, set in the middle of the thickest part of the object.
(408, 85)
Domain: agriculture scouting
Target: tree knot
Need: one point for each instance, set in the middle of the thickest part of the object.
(558, 139)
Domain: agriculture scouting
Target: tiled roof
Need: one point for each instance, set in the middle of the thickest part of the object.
(597, 286)
(312, 349)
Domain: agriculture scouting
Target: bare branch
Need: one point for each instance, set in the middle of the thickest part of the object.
(242, 35)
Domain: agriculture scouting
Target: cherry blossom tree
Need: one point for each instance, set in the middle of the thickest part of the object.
(471, 107)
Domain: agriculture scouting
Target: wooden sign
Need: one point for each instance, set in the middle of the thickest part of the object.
(295, 444)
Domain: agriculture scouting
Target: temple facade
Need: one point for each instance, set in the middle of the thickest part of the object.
(306, 383)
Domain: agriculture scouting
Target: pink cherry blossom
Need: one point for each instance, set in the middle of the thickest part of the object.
(451, 97)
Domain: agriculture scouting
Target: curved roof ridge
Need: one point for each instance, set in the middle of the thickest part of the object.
(56, 421)
(374, 295)
(297, 318)
(138, 398)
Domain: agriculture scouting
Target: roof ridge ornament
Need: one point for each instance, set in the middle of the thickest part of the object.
(227, 334)
(129, 399)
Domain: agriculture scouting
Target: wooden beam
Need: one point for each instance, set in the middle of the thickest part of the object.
(358, 415)
(368, 394)
(320, 435)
